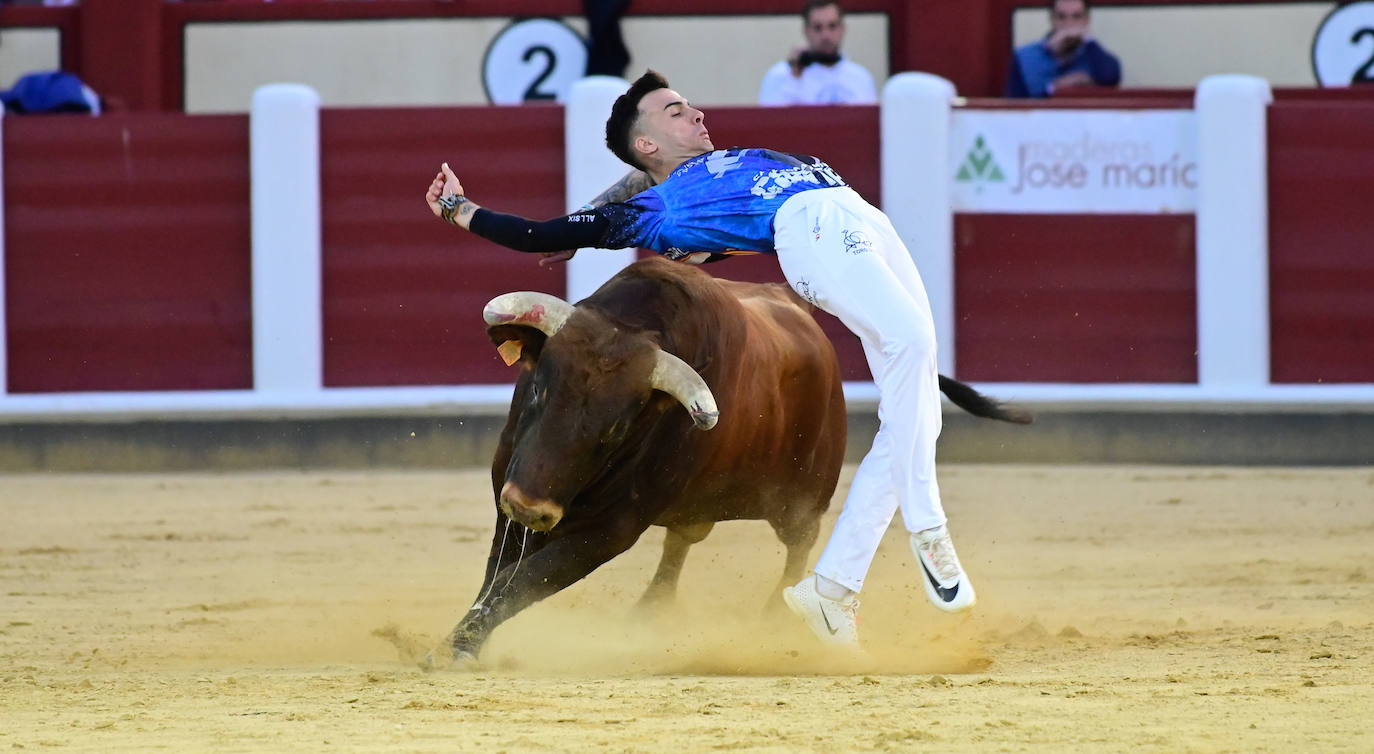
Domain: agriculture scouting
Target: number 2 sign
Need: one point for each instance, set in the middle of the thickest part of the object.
(1343, 49)
(533, 59)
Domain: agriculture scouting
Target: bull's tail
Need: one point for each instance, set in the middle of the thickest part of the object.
(978, 404)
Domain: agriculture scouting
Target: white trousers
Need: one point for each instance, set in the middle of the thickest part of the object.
(843, 255)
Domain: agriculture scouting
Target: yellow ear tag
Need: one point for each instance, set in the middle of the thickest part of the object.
(510, 351)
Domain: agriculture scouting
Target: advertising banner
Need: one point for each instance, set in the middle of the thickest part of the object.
(1073, 162)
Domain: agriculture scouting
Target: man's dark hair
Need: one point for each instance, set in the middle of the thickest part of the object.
(1087, 5)
(625, 113)
(811, 5)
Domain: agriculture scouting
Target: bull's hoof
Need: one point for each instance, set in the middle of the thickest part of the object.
(447, 658)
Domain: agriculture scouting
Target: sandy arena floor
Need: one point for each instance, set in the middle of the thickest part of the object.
(1120, 608)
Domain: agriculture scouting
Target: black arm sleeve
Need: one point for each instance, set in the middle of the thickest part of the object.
(575, 231)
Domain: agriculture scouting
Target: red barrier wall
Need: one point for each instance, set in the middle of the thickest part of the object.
(1075, 298)
(403, 292)
(127, 253)
(1321, 241)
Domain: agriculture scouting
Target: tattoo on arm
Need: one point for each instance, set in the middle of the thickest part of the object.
(454, 203)
(633, 183)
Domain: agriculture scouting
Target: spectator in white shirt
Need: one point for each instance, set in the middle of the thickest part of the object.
(818, 74)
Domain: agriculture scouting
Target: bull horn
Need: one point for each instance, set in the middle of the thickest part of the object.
(538, 310)
(678, 379)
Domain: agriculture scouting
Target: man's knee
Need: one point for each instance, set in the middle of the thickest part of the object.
(909, 338)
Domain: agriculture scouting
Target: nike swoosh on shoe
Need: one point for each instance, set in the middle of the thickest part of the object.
(826, 618)
(946, 594)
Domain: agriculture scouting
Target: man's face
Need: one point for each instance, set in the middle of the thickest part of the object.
(825, 30)
(1069, 16)
(673, 127)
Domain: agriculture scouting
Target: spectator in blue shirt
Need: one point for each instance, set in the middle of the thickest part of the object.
(1067, 56)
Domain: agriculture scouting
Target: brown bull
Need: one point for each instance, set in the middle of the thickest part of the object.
(597, 447)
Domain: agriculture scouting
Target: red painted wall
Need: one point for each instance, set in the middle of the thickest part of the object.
(1321, 241)
(403, 292)
(1087, 298)
(127, 252)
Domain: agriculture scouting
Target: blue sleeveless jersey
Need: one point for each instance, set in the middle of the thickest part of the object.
(722, 202)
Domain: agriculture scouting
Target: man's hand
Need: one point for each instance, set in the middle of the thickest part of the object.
(445, 183)
(446, 200)
(1065, 40)
(794, 61)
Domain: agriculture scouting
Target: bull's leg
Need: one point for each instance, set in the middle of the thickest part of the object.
(798, 537)
(663, 588)
(510, 544)
(559, 563)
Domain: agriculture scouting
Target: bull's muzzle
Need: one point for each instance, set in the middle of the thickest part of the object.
(539, 514)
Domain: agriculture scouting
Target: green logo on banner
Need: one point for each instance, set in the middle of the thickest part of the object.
(980, 166)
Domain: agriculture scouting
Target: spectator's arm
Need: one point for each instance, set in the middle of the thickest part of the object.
(778, 85)
(1102, 65)
(1016, 81)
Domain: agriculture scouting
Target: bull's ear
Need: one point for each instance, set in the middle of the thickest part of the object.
(522, 342)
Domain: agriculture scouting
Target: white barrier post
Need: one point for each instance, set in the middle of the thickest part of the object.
(591, 169)
(914, 131)
(4, 327)
(284, 139)
(1233, 233)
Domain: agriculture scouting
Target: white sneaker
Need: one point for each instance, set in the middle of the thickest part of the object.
(834, 622)
(946, 584)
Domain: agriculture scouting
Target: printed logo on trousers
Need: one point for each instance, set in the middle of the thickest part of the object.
(855, 242)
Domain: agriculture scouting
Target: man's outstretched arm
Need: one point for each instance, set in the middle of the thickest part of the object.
(446, 199)
(633, 183)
